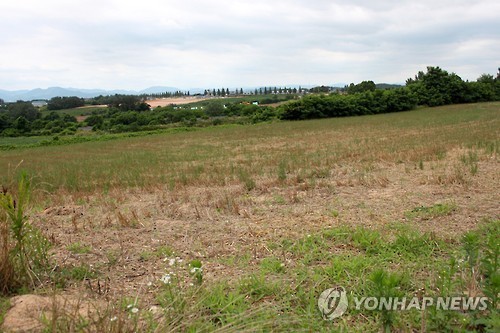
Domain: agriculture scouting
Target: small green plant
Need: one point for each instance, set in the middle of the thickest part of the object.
(257, 287)
(224, 305)
(113, 257)
(334, 213)
(282, 171)
(196, 270)
(413, 244)
(471, 245)
(247, 180)
(471, 160)
(80, 273)
(164, 251)
(79, 248)
(24, 250)
(446, 284)
(490, 266)
(272, 265)
(385, 284)
(430, 212)
(146, 255)
(367, 240)
(279, 200)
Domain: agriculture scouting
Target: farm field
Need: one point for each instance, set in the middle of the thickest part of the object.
(241, 228)
(173, 100)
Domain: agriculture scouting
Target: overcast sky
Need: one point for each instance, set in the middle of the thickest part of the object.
(120, 44)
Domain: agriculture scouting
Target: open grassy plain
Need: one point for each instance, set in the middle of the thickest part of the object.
(240, 228)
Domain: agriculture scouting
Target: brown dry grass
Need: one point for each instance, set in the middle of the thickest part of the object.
(216, 223)
(234, 203)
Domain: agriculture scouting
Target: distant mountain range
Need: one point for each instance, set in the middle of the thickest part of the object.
(29, 95)
(35, 94)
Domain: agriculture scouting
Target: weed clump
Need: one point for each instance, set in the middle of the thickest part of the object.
(23, 248)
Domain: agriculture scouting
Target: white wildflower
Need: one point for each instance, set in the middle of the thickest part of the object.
(166, 279)
(195, 270)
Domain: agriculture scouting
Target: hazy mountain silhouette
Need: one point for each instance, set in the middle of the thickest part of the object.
(48, 93)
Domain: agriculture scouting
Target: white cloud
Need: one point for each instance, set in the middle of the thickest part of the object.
(133, 45)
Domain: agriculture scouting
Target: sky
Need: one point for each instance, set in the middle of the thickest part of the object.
(117, 44)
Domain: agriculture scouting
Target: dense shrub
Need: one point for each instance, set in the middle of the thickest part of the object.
(61, 103)
(433, 88)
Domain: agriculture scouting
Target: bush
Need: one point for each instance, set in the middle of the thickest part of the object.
(23, 249)
(60, 103)
(335, 105)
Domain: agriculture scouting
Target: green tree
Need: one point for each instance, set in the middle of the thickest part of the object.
(52, 116)
(361, 87)
(214, 109)
(94, 120)
(21, 124)
(486, 78)
(437, 87)
(23, 109)
(60, 103)
(4, 121)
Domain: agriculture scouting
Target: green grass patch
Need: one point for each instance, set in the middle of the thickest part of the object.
(430, 212)
(272, 265)
(80, 111)
(78, 273)
(79, 248)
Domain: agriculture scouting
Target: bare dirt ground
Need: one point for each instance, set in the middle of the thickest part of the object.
(81, 119)
(127, 231)
(174, 100)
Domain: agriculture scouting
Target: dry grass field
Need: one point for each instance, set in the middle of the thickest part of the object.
(240, 228)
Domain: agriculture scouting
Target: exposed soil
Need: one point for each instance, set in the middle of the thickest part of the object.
(128, 230)
(174, 100)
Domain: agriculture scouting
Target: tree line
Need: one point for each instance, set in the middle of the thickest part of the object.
(435, 87)
(23, 119)
(125, 113)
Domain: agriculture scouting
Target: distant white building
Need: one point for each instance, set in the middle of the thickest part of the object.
(38, 103)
